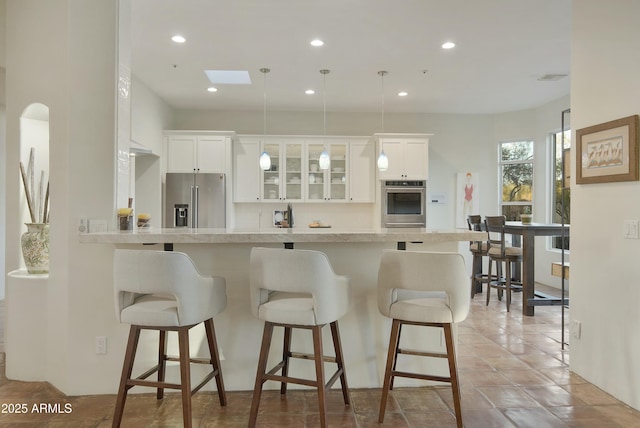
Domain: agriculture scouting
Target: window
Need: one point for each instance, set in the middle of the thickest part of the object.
(516, 178)
(560, 208)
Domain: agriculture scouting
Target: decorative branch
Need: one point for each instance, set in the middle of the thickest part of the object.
(26, 191)
(45, 211)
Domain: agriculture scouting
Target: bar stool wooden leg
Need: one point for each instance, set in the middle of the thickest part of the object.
(262, 368)
(395, 358)
(391, 361)
(453, 372)
(337, 346)
(286, 353)
(162, 361)
(319, 363)
(508, 284)
(489, 283)
(185, 375)
(215, 360)
(127, 368)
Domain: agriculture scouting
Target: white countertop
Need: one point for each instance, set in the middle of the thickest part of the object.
(274, 235)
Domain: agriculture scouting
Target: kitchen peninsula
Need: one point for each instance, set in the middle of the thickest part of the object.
(277, 235)
(354, 253)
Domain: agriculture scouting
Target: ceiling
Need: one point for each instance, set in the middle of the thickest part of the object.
(502, 48)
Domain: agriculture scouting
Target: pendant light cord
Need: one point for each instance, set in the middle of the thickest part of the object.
(264, 72)
(324, 99)
(382, 74)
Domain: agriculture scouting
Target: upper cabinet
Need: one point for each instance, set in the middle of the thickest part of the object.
(362, 164)
(330, 184)
(197, 152)
(246, 170)
(408, 156)
(284, 180)
(295, 173)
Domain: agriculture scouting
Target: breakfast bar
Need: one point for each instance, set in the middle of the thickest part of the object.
(354, 253)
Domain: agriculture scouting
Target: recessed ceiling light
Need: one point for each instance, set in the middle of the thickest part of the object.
(228, 77)
(178, 39)
(212, 89)
(403, 94)
(317, 42)
(309, 92)
(448, 45)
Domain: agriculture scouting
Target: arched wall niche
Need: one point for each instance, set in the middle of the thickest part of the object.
(34, 142)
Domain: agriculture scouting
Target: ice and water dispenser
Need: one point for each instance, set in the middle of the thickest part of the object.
(180, 215)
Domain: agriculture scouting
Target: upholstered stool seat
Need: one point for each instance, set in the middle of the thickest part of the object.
(297, 289)
(422, 289)
(163, 291)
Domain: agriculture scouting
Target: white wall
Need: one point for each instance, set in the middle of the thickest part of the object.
(605, 268)
(75, 42)
(150, 115)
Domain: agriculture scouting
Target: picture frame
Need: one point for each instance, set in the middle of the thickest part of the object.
(608, 152)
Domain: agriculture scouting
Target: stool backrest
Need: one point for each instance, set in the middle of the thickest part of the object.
(140, 272)
(474, 222)
(495, 229)
(424, 271)
(295, 271)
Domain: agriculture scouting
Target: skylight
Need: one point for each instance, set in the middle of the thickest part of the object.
(228, 77)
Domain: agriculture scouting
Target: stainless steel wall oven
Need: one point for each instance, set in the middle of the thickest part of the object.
(404, 203)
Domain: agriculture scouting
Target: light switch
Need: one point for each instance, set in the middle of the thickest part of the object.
(631, 229)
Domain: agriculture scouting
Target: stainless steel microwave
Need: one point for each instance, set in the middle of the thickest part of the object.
(404, 203)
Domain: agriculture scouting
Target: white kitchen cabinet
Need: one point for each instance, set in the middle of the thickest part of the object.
(246, 170)
(284, 180)
(332, 184)
(197, 153)
(362, 171)
(295, 175)
(408, 156)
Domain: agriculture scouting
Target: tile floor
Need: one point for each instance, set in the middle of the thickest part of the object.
(512, 369)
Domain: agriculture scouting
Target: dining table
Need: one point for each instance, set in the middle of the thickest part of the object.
(524, 235)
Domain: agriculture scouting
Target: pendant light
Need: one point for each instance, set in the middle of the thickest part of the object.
(383, 161)
(265, 159)
(324, 161)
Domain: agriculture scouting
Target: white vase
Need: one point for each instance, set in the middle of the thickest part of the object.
(35, 248)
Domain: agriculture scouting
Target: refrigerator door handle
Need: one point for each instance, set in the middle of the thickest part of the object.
(194, 203)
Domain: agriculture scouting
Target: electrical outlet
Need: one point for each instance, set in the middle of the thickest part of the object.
(576, 329)
(101, 345)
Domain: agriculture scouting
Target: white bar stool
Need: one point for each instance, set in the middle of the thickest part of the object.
(423, 289)
(163, 291)
(297, 289)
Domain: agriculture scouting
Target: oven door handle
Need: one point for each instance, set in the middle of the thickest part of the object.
(404, 224)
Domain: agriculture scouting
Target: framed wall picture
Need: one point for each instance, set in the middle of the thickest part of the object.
(467, 197)
(608, 152)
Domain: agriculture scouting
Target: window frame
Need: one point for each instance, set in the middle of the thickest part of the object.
(501, 163)
(567, 144)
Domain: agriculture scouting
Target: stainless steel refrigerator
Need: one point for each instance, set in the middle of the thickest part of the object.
(194, 200)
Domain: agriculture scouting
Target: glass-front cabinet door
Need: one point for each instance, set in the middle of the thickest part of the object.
(271, 180)
(337, 180)
(331, 184)
(293, 170)
(283, 181)
(316, 176)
